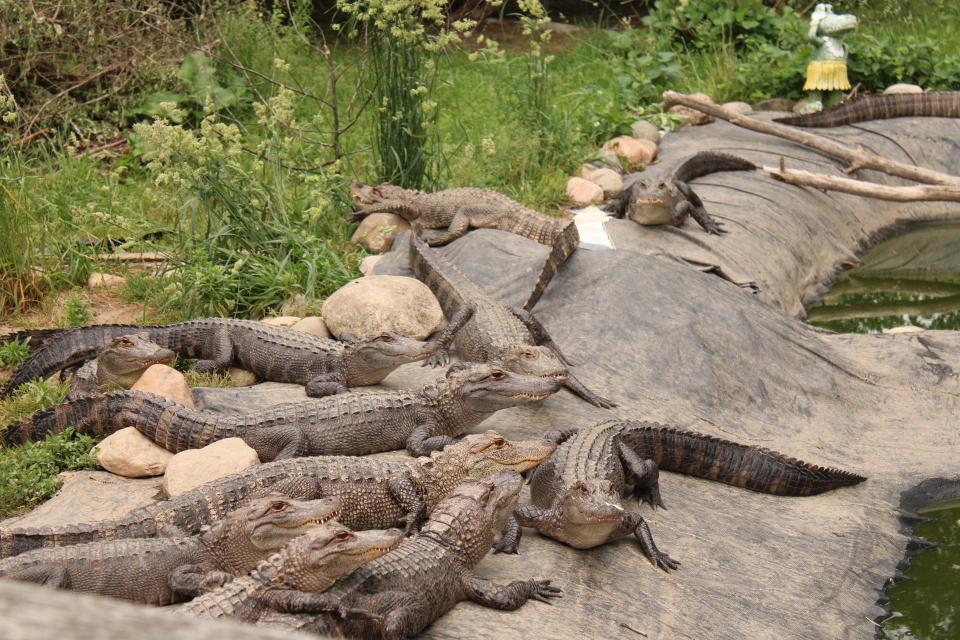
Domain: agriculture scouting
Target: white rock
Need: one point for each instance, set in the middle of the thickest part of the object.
(165, 381)
(643, 130)
(193, 467)
(692, 117)
(368, 263)
(241, 377)
(738, 107)
(905, 329)
(104, 280)
(313, 325)
(131, 454)
(636, 152)
(583, 192)
(281, 321)
(371, 305)
(903, 87)
(607, 179)
(378, 230)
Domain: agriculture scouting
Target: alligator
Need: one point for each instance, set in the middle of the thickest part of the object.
(576, 495)
(944, 104)
(119, 365)
(662, 195)
(162, 571)
(401, 593)
(287, 581)
(457, 210)
(352, 424)
(277, 354)
(373, 493)
(484, 330)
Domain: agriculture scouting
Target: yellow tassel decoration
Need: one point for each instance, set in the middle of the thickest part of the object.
(826, 75)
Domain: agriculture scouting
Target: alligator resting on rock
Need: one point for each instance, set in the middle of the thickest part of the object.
(119, 365)
(359, 423)
(661, 195)
(455, 211)
(272, 353)
(401, 593)
(373, 493)
(576, 495)
(161, 571)
(944, 104)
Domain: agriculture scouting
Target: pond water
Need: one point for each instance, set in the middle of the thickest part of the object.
(913, 278)
(928, 607)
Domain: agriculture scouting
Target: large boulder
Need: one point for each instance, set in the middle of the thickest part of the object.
(371, 305)
(582, 192)
(193, 467)
(608, 180)
(131, 454)
(636, 152)
(165, 381)
(314, 325)
(378, 230)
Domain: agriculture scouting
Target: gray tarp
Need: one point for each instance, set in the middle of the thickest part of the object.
(671, 343)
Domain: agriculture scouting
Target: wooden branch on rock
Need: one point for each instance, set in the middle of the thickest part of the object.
(858, 158)
(926, 192)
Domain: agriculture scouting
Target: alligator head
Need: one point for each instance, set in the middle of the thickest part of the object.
(484, 388)
(589, 513)
(314, 561)
(122, 363)
(652, 202)
(533, 361)
(370, 361)
(373, 198)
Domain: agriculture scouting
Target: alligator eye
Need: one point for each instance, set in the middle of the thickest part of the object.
(343, 535)
(278, 505)
(529, 354)
(498, 375)
(386, 337)
(499, 443)
(584, 490)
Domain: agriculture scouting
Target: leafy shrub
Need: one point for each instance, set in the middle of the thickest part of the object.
(877, 61)
(13, 353)
(708, 23)
(77, 310)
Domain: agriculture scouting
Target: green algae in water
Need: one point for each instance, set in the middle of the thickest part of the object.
(928, 607)
(913, 278)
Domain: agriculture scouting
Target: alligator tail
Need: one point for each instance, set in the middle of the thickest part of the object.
(34, 337)
(442, 277)
(562, 247)
(96, 415)
(17, 541)
(735, 464)
(944, 104)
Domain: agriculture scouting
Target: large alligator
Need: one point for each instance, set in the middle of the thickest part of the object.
(277, 354)
(455, 211)
(287, 581)
(352, 424)
(401, 593)
(161, 571)
(119, 365)
(484, 330)
(945, 104)
(661, 194)
(373, 494)
(576, 495)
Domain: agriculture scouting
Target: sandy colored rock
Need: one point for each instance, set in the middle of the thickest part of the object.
(313, 325)
(607, 179)
(165, 381)
(905, 329)
(643, 130)
(738, 107)
(583, 192)
(131, 454)
(636, 152)
(776, 104)
(193, 467)
(104, 280)
(368, 263)
(378, 230)
(281, 321)
(903, 87)
(241, 377)
(371, 305)
(692, 117)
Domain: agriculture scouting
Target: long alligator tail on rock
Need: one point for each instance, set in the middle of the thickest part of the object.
(735, 464)
(562, 246)
(944, 104)
(29, 538)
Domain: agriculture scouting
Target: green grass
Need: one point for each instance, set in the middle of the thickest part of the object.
(13, 353)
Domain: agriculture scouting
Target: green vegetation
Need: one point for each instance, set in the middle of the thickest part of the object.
(77, 310)
(13, 353)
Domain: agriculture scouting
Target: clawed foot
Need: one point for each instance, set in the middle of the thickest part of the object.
(507, 544)
(362, 614)
(713, 227)
(434, 237)
(650, 495)
(603, 403)
(438, 359)
(543, 591)
(662, 561)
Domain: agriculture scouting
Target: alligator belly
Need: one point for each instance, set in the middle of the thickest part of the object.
(651, 214)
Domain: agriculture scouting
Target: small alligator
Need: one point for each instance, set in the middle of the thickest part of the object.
(883, 107)
(119, 365)
(576, 495)
(484, 330)
(401, 593)
(272, 353)
(373, 493)
(287, 581)
(662, 195)
(353, 424)
(460, 209)
(161, 571)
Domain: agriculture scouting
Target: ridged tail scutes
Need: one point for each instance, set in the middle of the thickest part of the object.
(16, 541)
(945, 104)
(563, 246)
(33, 337)
(735, 464)
(92, 415)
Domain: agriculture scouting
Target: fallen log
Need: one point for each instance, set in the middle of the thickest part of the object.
(912, 193)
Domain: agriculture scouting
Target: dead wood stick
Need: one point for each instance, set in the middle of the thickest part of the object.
(859, 158)
(912, 193)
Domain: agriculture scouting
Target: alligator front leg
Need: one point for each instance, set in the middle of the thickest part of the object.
(395, 615)
(48, 575)
(539, 333)
(443, 338)
(191, 580)
(689, 203)
(294, 601)
(577, 387)
(218, 352)
(511, 596)
(421, 443)
(476, 216)
(410, 499)
(635, 524)
(509, 541)
(644, 476)
(278, 442)
(327, 384)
